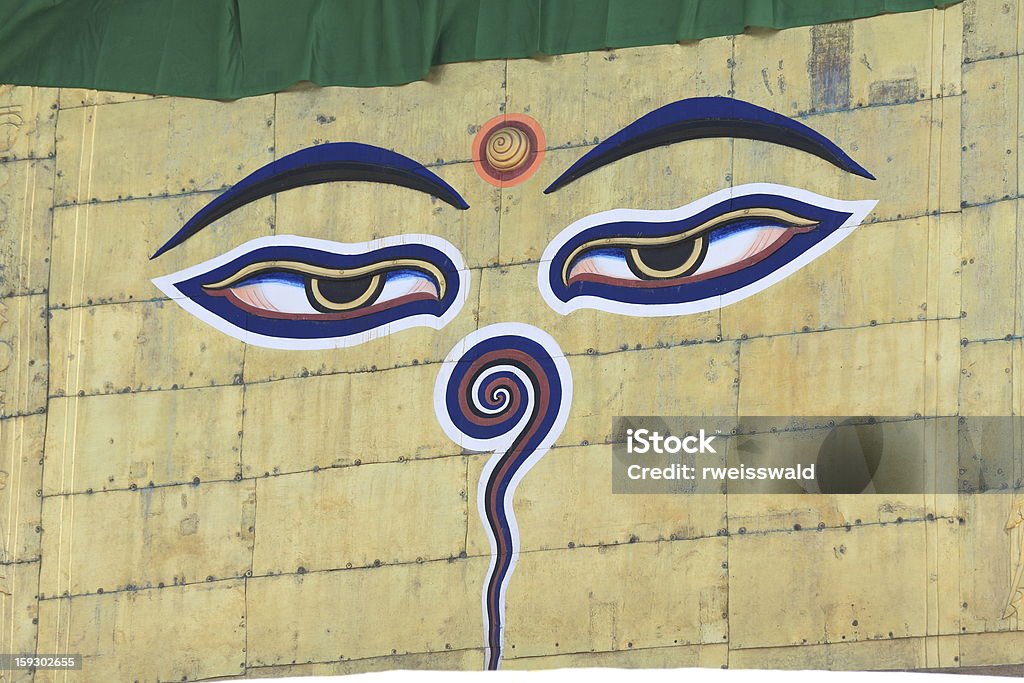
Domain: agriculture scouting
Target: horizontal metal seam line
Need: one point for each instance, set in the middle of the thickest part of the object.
(801, 115)
(253, 668)
(430, 363)
(468, 557)
(480, 266)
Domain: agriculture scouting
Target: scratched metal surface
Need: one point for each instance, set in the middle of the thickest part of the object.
(249, 512)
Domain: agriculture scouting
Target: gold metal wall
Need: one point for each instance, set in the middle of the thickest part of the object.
(174, 503)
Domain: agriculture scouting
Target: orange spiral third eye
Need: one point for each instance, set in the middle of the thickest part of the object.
(508, 149)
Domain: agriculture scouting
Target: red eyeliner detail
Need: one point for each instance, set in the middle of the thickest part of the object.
(346, 315)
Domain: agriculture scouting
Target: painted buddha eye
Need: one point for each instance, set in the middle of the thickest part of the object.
(716, 251)
(299, 293)
(724, 244)
(292, 290)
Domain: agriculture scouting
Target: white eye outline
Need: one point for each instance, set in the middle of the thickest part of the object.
(858, 210)
(168, 285)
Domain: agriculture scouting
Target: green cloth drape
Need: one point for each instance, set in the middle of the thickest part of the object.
(224, 49)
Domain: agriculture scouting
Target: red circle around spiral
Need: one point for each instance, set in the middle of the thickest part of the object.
(508, 149)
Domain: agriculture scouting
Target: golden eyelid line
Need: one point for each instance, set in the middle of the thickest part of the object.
(790, 219)
(333, 273)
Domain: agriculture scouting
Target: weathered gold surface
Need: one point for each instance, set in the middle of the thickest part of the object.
(176, 504)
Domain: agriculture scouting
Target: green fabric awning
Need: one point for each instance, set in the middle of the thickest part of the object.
(225, 49)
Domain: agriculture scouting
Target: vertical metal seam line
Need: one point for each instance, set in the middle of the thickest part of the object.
(931, 397)
(14, 482)
(78, 374)
(501, 188)
(1011, 560)
(21, 459)
(276, 156)
(31, 202)
(19, 407)
(28, 219)
(241, 441)
(958, 501)
(1014, 550)
(739, 382)
(1016, 245)
(255, 505)
(245, 579)
(67, 387)
(49, 349)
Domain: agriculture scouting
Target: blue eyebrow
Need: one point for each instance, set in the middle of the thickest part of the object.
(325, 163)
(708, 117)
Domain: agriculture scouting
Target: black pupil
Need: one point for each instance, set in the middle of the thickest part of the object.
(669, 257)
(344, 291)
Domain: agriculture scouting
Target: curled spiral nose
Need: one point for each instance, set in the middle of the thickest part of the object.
(504, 389)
